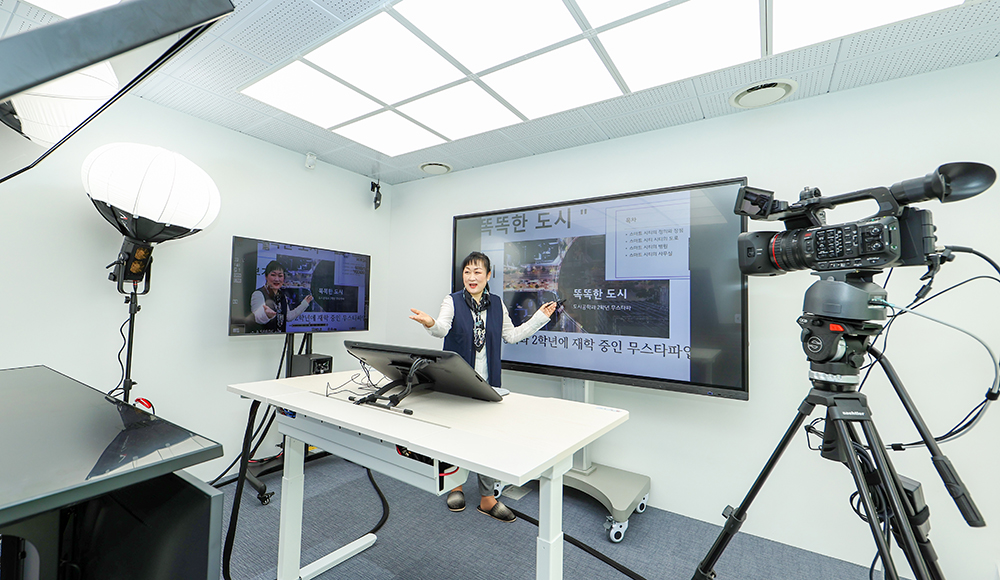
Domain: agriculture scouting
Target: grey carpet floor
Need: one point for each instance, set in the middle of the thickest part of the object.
(423, 540)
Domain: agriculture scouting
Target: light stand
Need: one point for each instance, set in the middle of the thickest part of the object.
(836, 330)
(133, 265)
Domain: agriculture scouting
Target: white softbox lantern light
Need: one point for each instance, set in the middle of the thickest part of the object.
(150, 194)
(50, 111)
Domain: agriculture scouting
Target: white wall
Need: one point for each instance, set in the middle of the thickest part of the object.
(704, 453)
(62, 311)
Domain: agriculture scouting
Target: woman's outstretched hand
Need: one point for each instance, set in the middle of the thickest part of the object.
(548, 308)
(422, 317)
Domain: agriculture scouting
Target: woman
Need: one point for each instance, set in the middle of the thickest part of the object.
(269, 304)
(473, 323)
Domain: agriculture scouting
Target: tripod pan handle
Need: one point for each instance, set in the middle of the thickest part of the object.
(958, 491)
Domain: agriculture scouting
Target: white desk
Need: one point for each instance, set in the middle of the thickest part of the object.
(517, 440)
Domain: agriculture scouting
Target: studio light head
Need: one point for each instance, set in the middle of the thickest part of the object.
(898, 235)
(150, 195)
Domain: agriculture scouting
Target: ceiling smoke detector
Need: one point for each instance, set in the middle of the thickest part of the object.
(435, 168)
(763, 94)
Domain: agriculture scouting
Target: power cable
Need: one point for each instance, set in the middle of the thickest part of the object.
(602, 557)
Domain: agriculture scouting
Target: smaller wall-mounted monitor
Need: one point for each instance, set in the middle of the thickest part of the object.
(278, 288)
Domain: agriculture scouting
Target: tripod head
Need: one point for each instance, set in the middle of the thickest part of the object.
(836, 322)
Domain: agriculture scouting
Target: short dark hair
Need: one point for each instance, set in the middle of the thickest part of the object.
(274, 265)
(477, 258)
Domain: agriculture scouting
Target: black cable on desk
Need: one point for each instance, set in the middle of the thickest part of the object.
(607, 560)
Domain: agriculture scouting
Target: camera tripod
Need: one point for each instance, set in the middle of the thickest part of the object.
(837, 329)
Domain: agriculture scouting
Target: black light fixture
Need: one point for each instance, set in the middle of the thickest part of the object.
(150, 195)
(377, 188)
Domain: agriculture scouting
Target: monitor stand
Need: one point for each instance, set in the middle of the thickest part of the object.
(620, 492)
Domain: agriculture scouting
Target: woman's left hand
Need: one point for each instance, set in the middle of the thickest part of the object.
(548, 308)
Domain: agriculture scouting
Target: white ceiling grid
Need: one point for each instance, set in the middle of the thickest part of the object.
(262, 36)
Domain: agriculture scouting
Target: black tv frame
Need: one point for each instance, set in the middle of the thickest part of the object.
(675, 385)
(447, 372)
(309, 332)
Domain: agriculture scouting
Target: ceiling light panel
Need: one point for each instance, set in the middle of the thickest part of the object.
(460, 111)
(71, 8)
(481, 34)
(384, 59)
(684, 41)
(563, 79)
(601, 12)
(799, 23)
(300, 90)
(389, 133)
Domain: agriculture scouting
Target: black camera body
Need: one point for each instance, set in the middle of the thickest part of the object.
(898, 235)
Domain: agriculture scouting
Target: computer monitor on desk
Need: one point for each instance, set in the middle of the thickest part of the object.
(439, 370)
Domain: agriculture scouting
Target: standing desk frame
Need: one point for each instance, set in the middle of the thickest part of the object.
(517, 440)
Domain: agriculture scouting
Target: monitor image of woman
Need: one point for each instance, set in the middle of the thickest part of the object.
(269, 303)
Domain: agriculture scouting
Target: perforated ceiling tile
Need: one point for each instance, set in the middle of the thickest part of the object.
(581, 135)
(547, 124)
(779, 66)
(348, 9)
(917, 59)
(717, 105)
(35, 14)
(652, 119)
(358, 162)
(481, 141)
(181, 59)
(961, 19)
(493, 155)
(7, 5)
(293, 139)
(204, 105)
(18, 24)
(397, 176)
(221, 70)
(282, 29)
(649, 98)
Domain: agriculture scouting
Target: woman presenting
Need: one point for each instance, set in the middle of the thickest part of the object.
(269, 304)
(473, 323)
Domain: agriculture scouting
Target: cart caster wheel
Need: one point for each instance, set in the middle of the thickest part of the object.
(642, 504)
(616, 530)
(265, 498)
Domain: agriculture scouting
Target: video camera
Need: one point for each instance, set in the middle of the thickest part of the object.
(897, 235)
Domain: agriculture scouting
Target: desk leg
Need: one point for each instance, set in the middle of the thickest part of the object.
(290, 523)
(549, 557)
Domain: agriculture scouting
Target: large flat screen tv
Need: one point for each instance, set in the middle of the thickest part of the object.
(653, 293)
(278, 288)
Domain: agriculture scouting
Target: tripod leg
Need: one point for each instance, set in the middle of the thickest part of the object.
(735, 518)
(845, 440)
(920, 555)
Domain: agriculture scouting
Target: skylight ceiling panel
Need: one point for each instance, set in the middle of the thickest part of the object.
(389, 133)
(799, 23)
(601, 12)
(559, 80)
(685, 41)
(384, 59)
(300, 90)
(481, 34)
(460, 111)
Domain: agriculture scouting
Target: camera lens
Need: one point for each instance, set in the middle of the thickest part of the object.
(791, 250)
